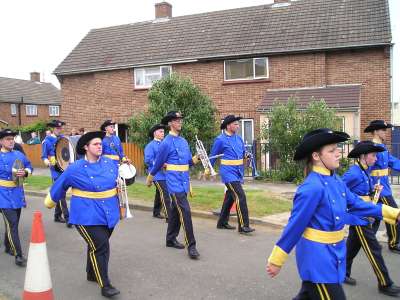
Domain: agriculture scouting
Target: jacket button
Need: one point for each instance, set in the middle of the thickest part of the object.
(337, 218)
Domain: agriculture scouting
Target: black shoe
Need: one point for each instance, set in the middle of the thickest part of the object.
(69, 225)
(175, 244)
(246, 229)
(158, 216)
(391, 290)
(225, 226)
(350, 281)
(395, 249)
(90, 277)
(109, 291)
(20, 261)
(59, 220)
(9, 252)
(193, 253)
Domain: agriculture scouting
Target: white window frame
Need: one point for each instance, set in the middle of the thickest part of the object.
(13, 108)
(54, 110)
(137, 70)
(254, 67)
(242, 128)
(28, 107)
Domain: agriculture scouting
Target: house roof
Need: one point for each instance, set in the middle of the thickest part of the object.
(340, 97)
(304, 25)
(11, 90)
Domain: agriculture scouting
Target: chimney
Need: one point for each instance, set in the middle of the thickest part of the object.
(163, 10)
(35, 76)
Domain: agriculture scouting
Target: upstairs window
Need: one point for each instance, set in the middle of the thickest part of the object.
(31, 110)
(145, 77)
(13, 107)
(246, 69)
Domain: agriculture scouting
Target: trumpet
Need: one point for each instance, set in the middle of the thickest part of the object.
(205, 160)
(124, 210)
(377, 193)
(252, 163)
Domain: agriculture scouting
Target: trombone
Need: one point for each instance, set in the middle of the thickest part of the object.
(124, 210)
(205, 160)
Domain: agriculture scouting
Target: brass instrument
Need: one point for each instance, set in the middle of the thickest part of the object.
(377, 193)
(205, 160)
(126, 176)
(17, 165)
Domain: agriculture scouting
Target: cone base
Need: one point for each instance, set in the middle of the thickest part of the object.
(47, 295)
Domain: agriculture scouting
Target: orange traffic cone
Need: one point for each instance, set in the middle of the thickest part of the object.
(37, 278)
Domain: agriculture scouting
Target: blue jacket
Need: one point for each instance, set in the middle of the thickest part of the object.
(232, 163)
(49, 153)
(10, 195)
(175, 152)
(322, 206)
(150, 153)
(381, 167)
(94, 199)
(359, 181)
(112, 148)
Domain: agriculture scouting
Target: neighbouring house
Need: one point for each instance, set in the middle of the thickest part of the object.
(23, 102)
(241, 58)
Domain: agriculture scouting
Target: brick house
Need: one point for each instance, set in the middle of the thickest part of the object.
(23, 102)
(239, 57)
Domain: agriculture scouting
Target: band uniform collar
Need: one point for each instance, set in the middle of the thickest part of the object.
(92, 162)
(376, 141)
(227, 133)
(173, 133)
(322, 170)
(157, 140)
(4, 150)
(53, 135)
(364, 166)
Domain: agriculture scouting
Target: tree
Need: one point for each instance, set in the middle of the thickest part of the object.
(287, 124)
(176, 93)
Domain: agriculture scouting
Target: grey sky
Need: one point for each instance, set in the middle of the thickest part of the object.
(38, 35)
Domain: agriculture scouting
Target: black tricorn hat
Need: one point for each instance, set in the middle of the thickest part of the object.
(171, 116)
(365, 147)
(7, 132)
(154, 128)
(86, 138)
(105, 124)
(315, 139)
(228, 120)
(55, 123)
(376, 125)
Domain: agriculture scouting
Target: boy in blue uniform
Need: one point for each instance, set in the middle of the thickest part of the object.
(232, 171)
(358, 180)
(161, 199)
(12, 197)
(380, 171)
(94, 205)
(112, 146)
(174, 154)
(49, 159)
(322, 206)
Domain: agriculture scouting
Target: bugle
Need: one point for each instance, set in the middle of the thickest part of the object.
(205, 160)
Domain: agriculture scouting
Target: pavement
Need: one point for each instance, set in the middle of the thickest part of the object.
(231, 266)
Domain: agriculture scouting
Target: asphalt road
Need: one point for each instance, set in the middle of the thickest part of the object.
(231, 266)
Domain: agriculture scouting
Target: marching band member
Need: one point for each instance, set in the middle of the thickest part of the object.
(322, 206)
(380, 171)
(358, 180)
(49, 159)
(112, 146)
(94, 205)
(12, 197)
(161, 199)
(232, 171)
(175, 154)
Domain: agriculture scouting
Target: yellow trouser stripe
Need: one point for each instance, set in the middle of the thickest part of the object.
(179, 168)
(382, 172)
(238, 210)
(160, 190)
(371, 258)
(392, 227)
(92, 255)
(181, 218)
(326, 291)
(94, 195)
(321, 294)
(8, 230)
(232, 162)
(111, 156)
(7, 183)
(324, 237)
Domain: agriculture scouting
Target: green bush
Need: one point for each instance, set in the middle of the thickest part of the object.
(180, 94)
(38, 126)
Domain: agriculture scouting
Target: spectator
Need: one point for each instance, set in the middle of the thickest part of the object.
(48, 132)
(81, 131)
(34, 139)
(73, 132)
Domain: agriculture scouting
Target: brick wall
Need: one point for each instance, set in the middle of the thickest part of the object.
(90, 99)
(42, 114)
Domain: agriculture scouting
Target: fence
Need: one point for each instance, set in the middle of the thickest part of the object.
(132, 151)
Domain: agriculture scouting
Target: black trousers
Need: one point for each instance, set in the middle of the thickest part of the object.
(11, 237)
(98, 251)
(365, 237)
(235, 193)
(61, 208)
(180, 215)
(392, 230)
(320, 291)
(161, 200)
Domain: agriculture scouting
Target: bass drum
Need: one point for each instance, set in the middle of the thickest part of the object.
(65, 154)
(127, 172)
